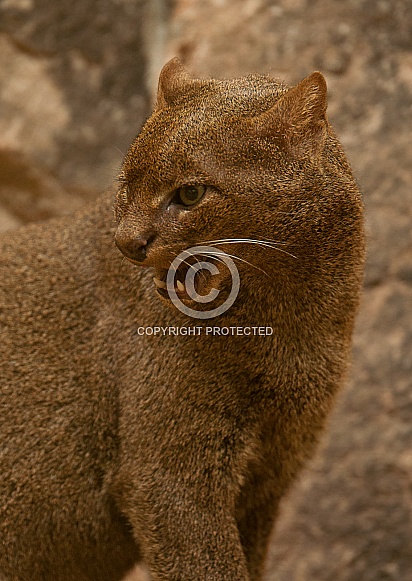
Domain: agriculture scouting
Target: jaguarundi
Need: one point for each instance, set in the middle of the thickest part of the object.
(121, 443)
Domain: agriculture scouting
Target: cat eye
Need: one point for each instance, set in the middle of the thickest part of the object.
(189, 195)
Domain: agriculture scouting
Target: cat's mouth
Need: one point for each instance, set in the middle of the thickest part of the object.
(185, 282)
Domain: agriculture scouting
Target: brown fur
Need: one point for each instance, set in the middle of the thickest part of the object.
(177, 449)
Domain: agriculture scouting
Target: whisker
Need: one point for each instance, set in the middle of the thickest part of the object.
(265, 240)
(264, 243)
(201, 269)
(119, 150)
(185, 261)
(216, 255)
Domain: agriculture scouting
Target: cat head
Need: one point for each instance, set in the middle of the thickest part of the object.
(242, 165)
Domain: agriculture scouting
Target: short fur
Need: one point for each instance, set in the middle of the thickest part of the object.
(117, 446)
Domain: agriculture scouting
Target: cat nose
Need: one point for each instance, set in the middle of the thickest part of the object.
(133, 247)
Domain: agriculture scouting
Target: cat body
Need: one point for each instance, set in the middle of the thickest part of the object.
(125, 438)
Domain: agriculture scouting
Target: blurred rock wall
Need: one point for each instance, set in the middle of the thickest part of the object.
(76, 80)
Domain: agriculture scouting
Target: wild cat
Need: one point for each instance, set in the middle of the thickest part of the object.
(118, 445)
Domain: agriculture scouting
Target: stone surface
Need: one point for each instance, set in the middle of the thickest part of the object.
(74, 91)
(75, 85)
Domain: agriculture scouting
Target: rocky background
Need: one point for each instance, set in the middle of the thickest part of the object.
(76, 82)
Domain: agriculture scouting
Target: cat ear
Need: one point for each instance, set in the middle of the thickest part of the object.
(298, 120)
(173, 81)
